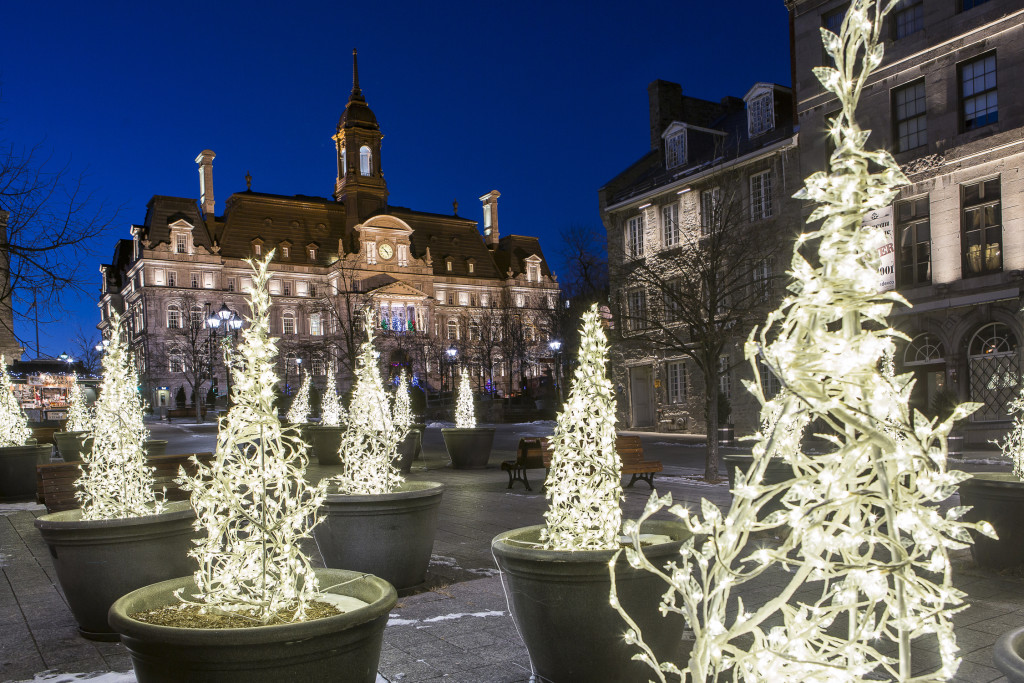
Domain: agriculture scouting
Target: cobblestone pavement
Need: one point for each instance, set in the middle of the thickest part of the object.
(457, 625)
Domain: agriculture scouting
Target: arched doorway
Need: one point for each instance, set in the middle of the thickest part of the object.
(994, 367)
(925, 356)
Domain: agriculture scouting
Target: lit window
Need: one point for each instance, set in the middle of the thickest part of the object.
(909, 117)
(284, 252)
(678, 382)
(914, 244)
(448, 265)
(316, 327)
(635, 236)
(520, 300)
(312, 253)
(172, 279)
(173, 317)
(181, 243)
(761, 196)
(472, 267)
(286, 287)
(981, 220)
(453, 329)
(533, 272)
(195, 280)
(288, 323)
(675, 150)
(257, 249)
(979, 101)
(365, 160)
(761, 114)
(670, 225)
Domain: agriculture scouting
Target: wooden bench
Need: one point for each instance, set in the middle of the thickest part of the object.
(528, 457)
(631, 454)
(55, 483)
(183, 413)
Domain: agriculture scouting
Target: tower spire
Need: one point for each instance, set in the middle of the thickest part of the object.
(355, 74)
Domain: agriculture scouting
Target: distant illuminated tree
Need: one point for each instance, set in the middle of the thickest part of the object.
(299, 411)
(79, 415)
(14, 429)
(465, 418)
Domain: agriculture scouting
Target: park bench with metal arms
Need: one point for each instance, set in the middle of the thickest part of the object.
(528, 457)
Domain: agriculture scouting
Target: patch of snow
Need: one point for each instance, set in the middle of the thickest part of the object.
(459, 615)
(688, 481)
(485, 571)
(395, 621)
(3, 560)
(344, 603)
(440, 425)
(93, 677)
(442, 561)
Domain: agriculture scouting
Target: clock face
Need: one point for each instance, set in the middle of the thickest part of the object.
(385, 250)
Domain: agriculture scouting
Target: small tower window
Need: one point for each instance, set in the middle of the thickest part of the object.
(257, 249)
(344, 163)
(365, 160)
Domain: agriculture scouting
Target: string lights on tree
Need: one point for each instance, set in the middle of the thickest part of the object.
(865, 557)
(584, 487)
(1012, 444)
(299, 410)
(371, 438)
(14, 429)
(402, 409)
(116, 480)
(253, 501)
(331, 410)
(79, 414)
(465, 417)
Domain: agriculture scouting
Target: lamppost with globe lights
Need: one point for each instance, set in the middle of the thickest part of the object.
(452, 355)
(231, 322)
(556, 348)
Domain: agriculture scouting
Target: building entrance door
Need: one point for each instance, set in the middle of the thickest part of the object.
(640, 382)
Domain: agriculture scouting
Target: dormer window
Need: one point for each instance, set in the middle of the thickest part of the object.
(311, 252)
(181, 243)
(760, 115)
(257, 249)
(285, 252)
(533, 272)
(675, 150)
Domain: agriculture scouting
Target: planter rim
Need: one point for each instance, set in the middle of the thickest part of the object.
(172, 635)
(409, 489)
(500, 545)
(1006, 653)
(74, 434)
(993, 479)
(320, 427)
(71, 520)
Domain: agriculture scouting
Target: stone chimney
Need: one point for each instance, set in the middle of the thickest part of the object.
(490, 202)
(205, 161)
(666, 103)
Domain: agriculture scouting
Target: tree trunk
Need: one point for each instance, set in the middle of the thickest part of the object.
(711, 417)
(199, 403)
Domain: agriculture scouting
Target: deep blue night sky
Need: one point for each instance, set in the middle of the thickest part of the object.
(543, 101)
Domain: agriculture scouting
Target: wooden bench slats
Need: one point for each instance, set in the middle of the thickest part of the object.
(529, 456)
(631, 455)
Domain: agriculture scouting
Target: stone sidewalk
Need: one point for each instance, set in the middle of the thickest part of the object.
(457, 626)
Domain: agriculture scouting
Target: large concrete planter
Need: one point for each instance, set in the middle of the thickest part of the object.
(1008, 655)
(559, 600)
(325, 441)
(345, 647)
(18, 470)
(998, 498)
(419, 427)
(390, 535)
(99, 561)
(407, 450)
(775, 472)
(468, 448)
(72, 445)
(155, 447)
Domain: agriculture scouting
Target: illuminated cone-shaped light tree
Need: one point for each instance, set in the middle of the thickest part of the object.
(465, 417)
(253, 501)
(401, 412)
(299, 411)
(1012, 445)
(866, 556)
(584, 487)
(370, 441)
(14, 429)
(79, 415)
(116, 480)
(331, 410)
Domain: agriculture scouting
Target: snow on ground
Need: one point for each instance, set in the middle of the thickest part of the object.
(443, 561)
(94, 677)
(395, 620)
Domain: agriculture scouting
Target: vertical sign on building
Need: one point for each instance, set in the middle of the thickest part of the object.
(882, 220)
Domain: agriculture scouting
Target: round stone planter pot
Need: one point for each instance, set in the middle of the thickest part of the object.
(1008, 655)
(343, 647)
(554, 593)
(998, 498)
(155, 447)
(407, 450)
(325, 441)
(18, 470)
(389, 535)
(419, 427)
(468, 448)
(72, 445)
(98, 561)
(776, 472)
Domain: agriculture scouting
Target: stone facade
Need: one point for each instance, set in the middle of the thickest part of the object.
(9, 345)
(433, 281)
(946, 100)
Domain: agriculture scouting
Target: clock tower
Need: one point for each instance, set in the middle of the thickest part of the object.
(360, 185)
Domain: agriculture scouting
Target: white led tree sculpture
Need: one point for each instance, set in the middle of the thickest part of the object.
(371, 439)
(864, 564)
(401, 412)
(79, 415)
(465, 417)
(14, 429)
(299, 411)
(116, 480)
(253, 500)
(1012, 444)
(331, 410)
(584, 487)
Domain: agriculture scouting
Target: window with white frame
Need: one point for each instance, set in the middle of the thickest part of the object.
(317, 365)
(520, 300)
(533, 272)
(484, 298)
(286, 287)
(635, 236)
(463, 298)
(452, 329)
(257, 249)
(365, 160)
(451, 298)
(761, 196)
(197, 317)
(760, 114)
(678, 382)
(173, 317)
(181, 243)
(724, 377)
(770, 383)
(316, 327)
(176, 360)
(312, 253)
(673, 300)
(710, 210)
(194, 280)
(472, 267)
(763, 280)
(284, 252)
(474, 330)
(172, 279)
(288, 323)
(670, 225)
(636, 309)
(448, 265)
(675, 150)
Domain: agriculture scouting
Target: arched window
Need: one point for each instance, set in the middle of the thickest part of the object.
(365, 160)
(173, 317)
(316, 327)
(994, 365)
(344, 163)
(288, 322)
(195, 316)
(925, 348)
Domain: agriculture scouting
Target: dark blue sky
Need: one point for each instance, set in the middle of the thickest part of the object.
(543, 101)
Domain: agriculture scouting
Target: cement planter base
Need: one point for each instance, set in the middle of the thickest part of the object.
(1008, 655)
(325, 441)
(389, 535)
(468, 448)
(72, 445)
(554, 593)
(998, 498)
(18, 470)
(99, 561)
(407, 450)
(344, 647)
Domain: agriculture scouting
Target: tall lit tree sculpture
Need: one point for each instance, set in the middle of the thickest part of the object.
(371, 439)
(79, 415)
(1012, 444)
(331, 410)
(584, 487)
(14, 429)
(116, 480)
(253, 501)
(402, 409)
(299, 411)
(465, 417)
(866, 557)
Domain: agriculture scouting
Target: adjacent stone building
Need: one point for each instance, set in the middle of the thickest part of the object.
(947, 102)
(442, 292)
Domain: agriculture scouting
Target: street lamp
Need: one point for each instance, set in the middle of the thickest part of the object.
(102, 346)
(452, 353)
(232, 322)
(556, 348)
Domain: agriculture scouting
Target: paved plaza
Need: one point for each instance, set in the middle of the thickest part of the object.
(457, 626)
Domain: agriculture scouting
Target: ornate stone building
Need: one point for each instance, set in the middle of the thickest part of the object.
(442, 292)
(946, 100)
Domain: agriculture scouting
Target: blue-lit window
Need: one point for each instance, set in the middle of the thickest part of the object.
(970, 4)
(979, 102)
(909, 117)
(909, 18)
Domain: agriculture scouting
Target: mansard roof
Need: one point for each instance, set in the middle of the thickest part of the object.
(512, 252)
(162, 211)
